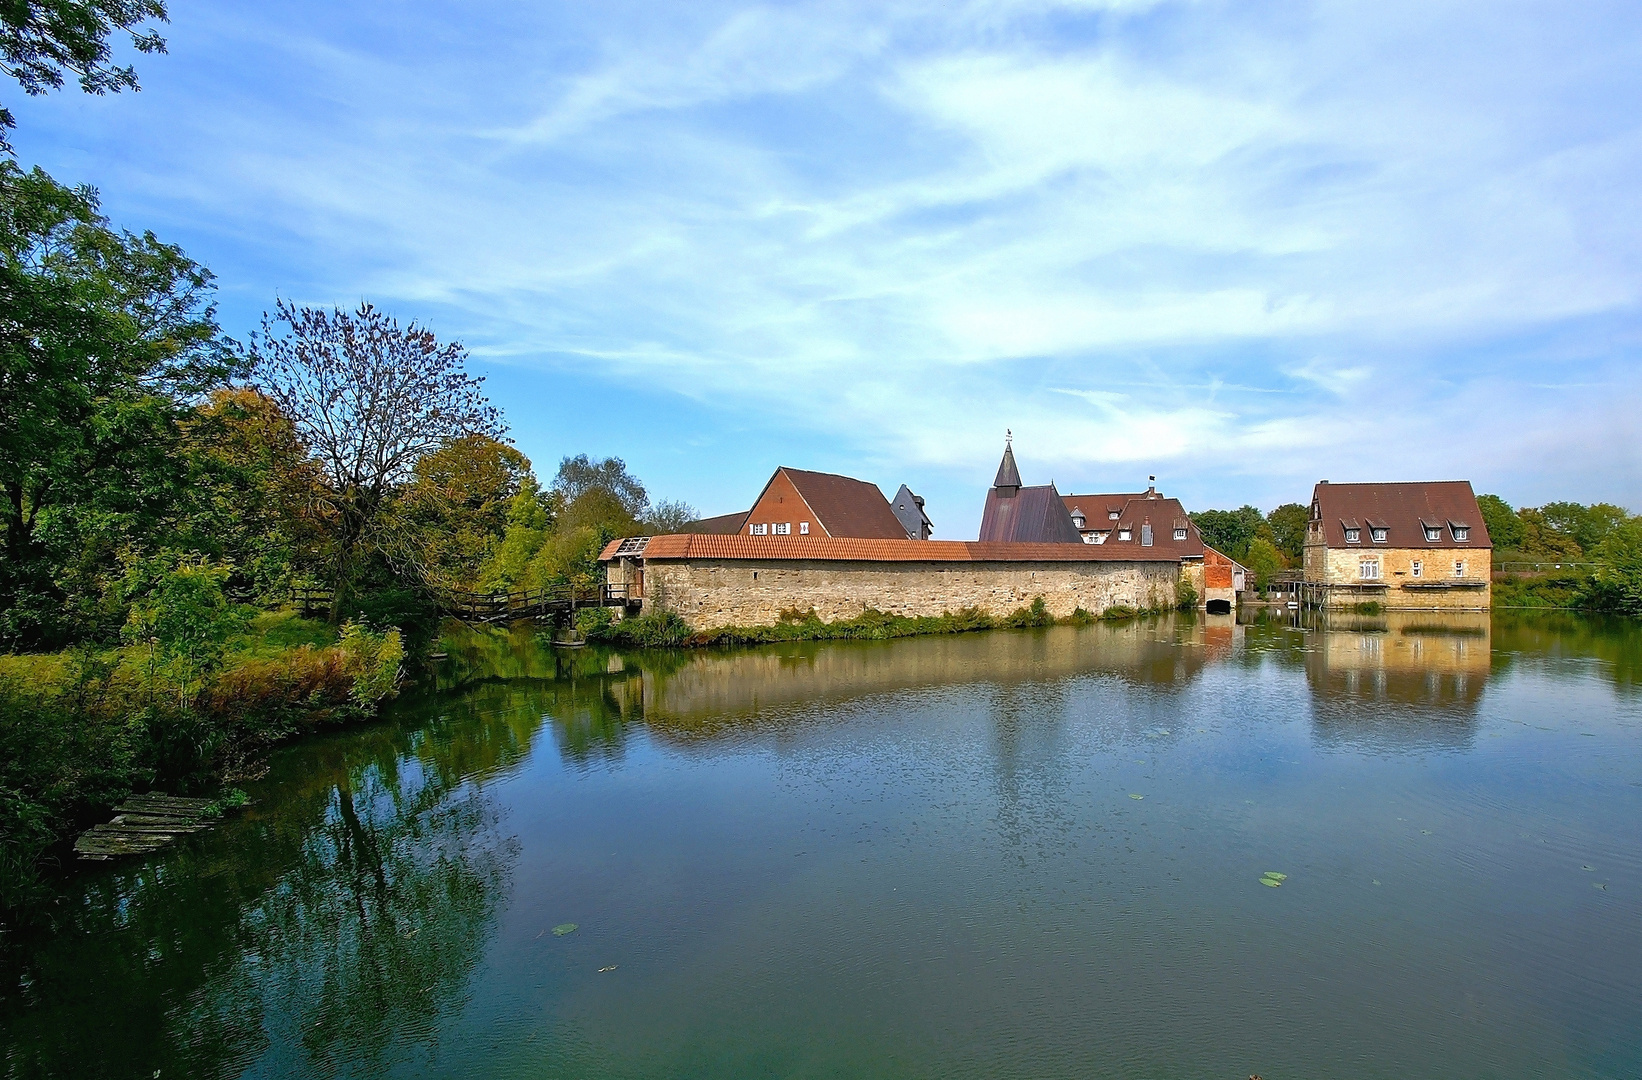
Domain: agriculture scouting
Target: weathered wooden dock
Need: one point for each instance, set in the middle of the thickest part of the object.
(144, 824)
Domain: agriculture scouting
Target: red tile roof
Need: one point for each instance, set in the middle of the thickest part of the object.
(1403, 510)
(852, 549)
(722, 525)
(1164, 516)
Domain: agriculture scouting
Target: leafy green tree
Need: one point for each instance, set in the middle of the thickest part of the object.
(1588, 526)
(1288, 529)
(669, 516)
(103, 334)
(1229, 531)
(1617, 583)
(579, 476)
(1543, 539)
(1505, 528)
(370, 399)
(41, 40)
(181, 616)
(1264, 561)
(455, 510)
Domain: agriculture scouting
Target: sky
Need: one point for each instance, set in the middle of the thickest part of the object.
(1240, 246)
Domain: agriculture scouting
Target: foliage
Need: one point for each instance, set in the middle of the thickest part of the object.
(454, 513)
(374, 661)
(1185, 596)
(1617, 583)
(1586, 526)
(579, 475)
(1118, 612)
(1288, 529)
(669, 516)
(595, 623)
(102, 333)
(1543, 539)
(658, 629)
(1230, 531)
(181, 619)
(1566, 588)
(370, 399)
(1264, 561)
(1037, 614)
(40, 40)
(1505, 528)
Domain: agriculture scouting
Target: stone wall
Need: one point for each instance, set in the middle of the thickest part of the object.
(1343, 566)
(710, 593)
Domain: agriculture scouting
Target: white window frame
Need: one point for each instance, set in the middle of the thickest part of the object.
(782, 528)
(1354, 536)
(1459, 567)
(1125, 534)
(1379, 535)
(1417, 568)
(760, 529)
(1433, 534)
(803, 528)
(1180, 534)
(1113, 515)
(1462, 533)
(1368, 569)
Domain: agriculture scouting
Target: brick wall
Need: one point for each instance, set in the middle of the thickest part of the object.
(747, 592)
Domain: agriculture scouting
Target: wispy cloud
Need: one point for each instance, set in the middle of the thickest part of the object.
(1228, 239)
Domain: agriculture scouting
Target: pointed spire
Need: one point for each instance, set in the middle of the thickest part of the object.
(1009, 477)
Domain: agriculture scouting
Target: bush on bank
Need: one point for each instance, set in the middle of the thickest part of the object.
(666, 629)
(189, 704)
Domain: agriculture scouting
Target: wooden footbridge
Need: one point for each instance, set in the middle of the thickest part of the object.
(498, 607)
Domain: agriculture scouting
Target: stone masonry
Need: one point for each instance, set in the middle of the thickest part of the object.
(709, 593)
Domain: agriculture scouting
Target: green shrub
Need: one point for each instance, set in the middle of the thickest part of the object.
(1080, 617)
(1185, 595)
(1035, 615)
(373, 659)
(595, 623)
(654, 630)
(1119, 611)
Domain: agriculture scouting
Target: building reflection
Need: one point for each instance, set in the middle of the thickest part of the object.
(1400, 680)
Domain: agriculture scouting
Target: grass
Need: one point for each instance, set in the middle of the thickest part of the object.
(667, 630)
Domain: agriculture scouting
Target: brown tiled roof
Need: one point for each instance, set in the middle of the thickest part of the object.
(1097, 508)
(847, 507)
(722, 525)
(1164, 516)
(1033, 515)
(852, 549)
(1402, 510)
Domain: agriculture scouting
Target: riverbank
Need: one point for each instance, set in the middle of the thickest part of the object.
(81, 730)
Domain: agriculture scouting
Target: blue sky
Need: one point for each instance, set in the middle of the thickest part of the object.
(1241, 246)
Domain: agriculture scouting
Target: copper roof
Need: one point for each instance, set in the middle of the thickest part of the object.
(1403, 510)
(853, 549)
(844, 506)
(723, 524)
(1031, 515)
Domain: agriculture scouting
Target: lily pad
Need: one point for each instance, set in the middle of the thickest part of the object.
(1272, 882)
(1137, 796)
(564, 928)
(1275, 876)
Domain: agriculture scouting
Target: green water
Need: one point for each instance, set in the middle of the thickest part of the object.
(921, 858)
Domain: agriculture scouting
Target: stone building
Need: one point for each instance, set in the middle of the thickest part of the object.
(1403, 546)
(798, 502)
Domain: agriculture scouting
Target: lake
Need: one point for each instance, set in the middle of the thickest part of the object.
(1037, 853)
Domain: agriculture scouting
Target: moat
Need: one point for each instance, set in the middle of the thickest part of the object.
(1036, 853)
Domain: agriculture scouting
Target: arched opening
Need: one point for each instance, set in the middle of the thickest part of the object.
(1219, 607)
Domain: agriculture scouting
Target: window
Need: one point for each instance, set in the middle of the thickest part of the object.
(1353, 535)
(1416, 568)
(1145, 536)
(1433, 533)
(783, 528)
(1123, 534)
(1462, 533)
(1180, 534)
(1379, 535)
(1112, 515)
(760, 530)
(803, 528)
(1091, 538)
(1459, 567)
(1369, 569)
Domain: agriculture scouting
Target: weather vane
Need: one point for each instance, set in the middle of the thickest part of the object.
(1008, 437)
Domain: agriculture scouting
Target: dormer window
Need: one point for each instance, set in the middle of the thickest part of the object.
(1462, 533)
(1123, 534)
(1145, 536)
(1078, 519)
(1112, 515)
(1433, 533)
(1353, 535)
(1379, 535)
(1180, 534)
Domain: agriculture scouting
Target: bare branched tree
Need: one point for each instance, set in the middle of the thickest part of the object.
(370, 398)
